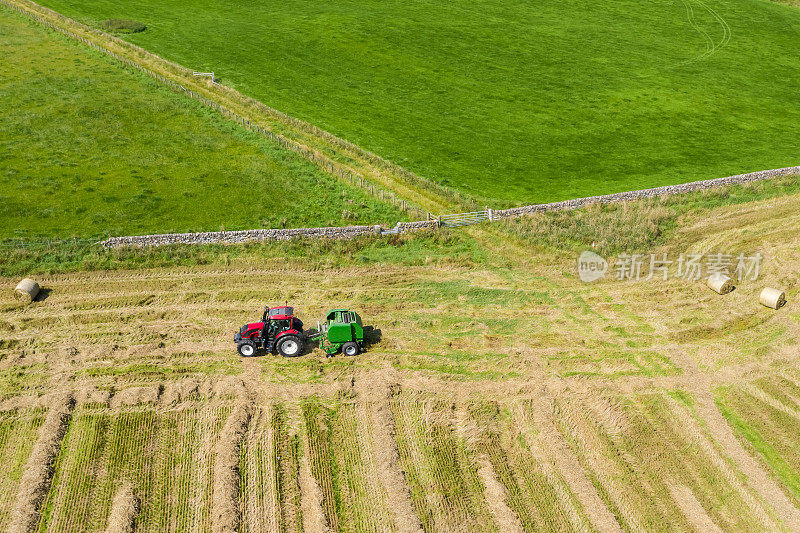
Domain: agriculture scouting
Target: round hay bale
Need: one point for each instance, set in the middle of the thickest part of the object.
(720, 283)
(772, 298)
(26, 290)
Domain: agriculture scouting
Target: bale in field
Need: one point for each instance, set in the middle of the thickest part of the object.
(27, 290)
(772, 298)
(720, 283)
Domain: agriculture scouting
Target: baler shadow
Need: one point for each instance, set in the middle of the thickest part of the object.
(371, 336)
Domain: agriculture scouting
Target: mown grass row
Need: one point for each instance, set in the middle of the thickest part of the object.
(766, 417)
(18, 433)
(446, 492)
(637, 451)
(269, 491)
(529, 493)
(167, 457)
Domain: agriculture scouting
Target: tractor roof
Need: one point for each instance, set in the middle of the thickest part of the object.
(280, 313)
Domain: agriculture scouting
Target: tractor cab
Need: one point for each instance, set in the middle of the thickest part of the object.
(278, 313)
(279, 319)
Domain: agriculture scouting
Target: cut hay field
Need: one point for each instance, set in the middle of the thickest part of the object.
(512, 101)
(498, 391)
(90, 148)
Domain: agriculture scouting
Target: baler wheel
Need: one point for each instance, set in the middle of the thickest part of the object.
(350, 348)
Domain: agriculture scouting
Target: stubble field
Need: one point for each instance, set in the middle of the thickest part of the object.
(498, 392)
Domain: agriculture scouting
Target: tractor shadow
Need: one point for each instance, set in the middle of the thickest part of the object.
(311, 345)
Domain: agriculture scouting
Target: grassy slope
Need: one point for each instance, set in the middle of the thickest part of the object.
(511, 100)
(89, 149)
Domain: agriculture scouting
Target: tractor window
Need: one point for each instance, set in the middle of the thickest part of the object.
(288, 311)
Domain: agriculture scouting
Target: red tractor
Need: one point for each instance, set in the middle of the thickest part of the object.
(279, 330)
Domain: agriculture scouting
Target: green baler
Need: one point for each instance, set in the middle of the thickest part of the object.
(341, 330)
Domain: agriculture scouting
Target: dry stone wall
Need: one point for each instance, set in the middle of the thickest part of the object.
(261, 235)
(348, 232)
(646, 193)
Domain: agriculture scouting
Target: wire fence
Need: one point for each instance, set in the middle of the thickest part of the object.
(322, 161)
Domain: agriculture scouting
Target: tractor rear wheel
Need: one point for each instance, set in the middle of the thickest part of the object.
(350, 348)
(290, 346)
(246, 348)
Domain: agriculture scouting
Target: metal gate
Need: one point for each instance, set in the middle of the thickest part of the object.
(464, 219)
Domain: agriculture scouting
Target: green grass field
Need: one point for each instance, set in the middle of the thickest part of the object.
(509, 100)
(92, 149)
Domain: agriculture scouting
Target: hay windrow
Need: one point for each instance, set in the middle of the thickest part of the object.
(123, 510)
(38, 471)
(388, 464)
(136, 395)
(496, 496)
(178, 391)
(311, 495)
(226, 514)
(692, 509)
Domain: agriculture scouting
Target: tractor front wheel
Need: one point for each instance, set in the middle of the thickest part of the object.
(350, 348)
(246, 348)
(290, 346)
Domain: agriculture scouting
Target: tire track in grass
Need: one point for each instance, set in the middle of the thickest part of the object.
(693, 23)
(712, 46)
